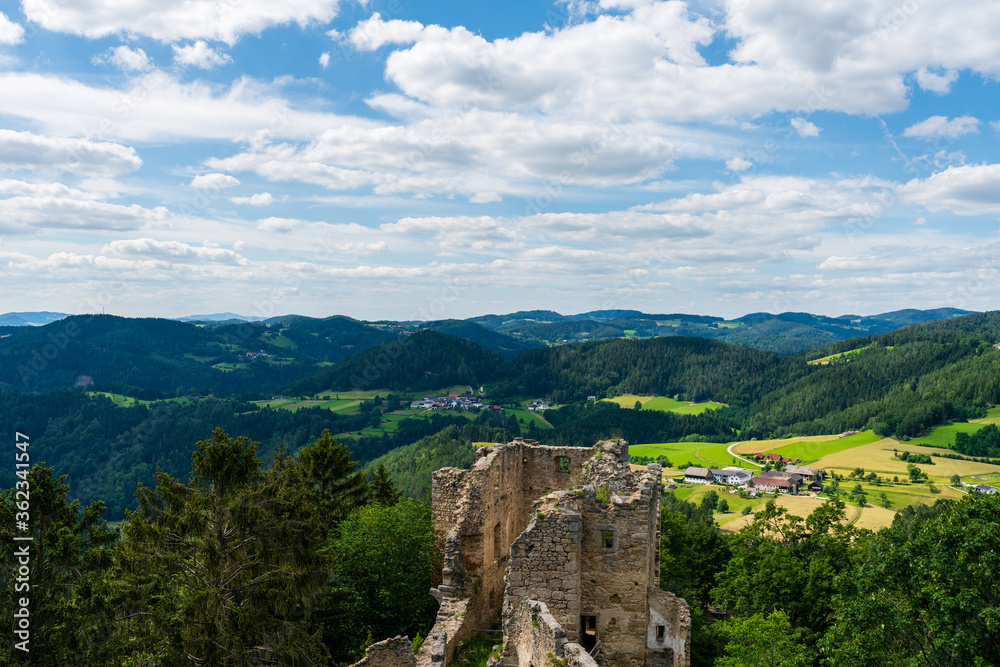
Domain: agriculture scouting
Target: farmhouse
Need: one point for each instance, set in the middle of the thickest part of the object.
(804, 472)
(777, 481)
(696, 475)
(735, 476)
(984, 489)
(561, 545)
(776, 458)
(815, 487)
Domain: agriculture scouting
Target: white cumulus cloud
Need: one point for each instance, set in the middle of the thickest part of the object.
(324, 59)
(935, 82)
(200, 55)
(804, 128)
(738, 164)
(258, 199)
(26, 150)
(125, 59)
(10, 33)
(214, 181)
(941, 126)
(153, 247)
(972, 189)
(174, 21)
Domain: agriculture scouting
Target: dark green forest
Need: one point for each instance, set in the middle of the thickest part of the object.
(898, 384)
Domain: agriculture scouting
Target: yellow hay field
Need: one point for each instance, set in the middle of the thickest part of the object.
(761, 446)
(878, 457)
(801, 506)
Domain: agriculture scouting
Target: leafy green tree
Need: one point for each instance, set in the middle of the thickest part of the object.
(956, 479)
(384, 560)
(761, 641)
(66, 559)
(924, 592)
(222, 570)
(692, 552)
(723, 505)
(710, 501)
(780, 561)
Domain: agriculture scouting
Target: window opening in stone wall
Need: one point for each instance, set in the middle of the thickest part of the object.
(608, 539)
(588, 632)
(661, 632)
(563, 464)
(497, 542)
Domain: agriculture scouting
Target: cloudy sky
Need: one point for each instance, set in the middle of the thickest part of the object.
(418, 159)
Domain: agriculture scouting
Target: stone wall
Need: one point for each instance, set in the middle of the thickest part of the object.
(571, 528)
(395, 652)
(618, 543)
(534, 635)
(478, 514)
(545, 562)
(669, 631)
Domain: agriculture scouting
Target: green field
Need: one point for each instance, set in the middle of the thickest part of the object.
(840, 355)
(128, 401)
(279, 340)
(664, 404)
(227, 367)
(944, 435)
(703, 454)
(808, 451)
(529, 418)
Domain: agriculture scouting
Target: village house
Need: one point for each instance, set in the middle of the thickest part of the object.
(696, 475)
(733, 476)
(804, 472)
(777, 481)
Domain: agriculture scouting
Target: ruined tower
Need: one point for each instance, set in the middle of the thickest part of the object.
(560, 545)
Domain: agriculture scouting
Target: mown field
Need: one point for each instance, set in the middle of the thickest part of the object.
(704, 454)
(664, 404)
(806, 449)
(841, 456)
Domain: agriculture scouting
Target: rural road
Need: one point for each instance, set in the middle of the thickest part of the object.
(730, 451)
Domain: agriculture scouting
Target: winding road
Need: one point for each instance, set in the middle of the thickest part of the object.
(730, 451)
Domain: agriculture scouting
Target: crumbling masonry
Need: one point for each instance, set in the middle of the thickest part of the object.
(561, 546)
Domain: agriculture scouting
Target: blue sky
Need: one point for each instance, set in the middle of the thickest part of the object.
(418, 160)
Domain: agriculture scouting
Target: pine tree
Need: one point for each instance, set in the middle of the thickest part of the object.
(381, 489)
(66, 557)
(223, 570)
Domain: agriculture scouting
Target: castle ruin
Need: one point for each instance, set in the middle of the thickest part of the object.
(561, 546)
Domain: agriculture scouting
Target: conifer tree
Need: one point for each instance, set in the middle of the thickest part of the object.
(65, 558)
(222, 570)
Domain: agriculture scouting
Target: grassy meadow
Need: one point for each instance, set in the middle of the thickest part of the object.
(664, 404)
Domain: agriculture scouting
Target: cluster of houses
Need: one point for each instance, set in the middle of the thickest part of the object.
(793, 479)
(538, 405)
(460, 401)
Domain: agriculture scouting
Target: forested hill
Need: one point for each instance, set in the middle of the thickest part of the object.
(696, 368)
(785, 333)
(423, 361)
(486, 338)
(151, 354)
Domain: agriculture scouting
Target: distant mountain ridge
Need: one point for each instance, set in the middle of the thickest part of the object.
(335, 338)
(785, 333)
(34, 319)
